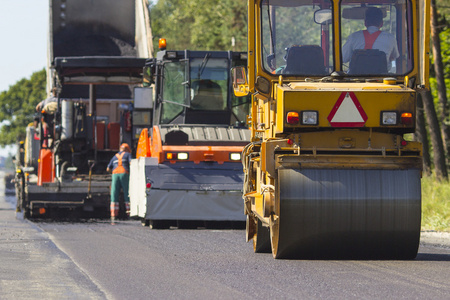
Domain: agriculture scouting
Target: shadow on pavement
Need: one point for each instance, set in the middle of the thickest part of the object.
(432, 257)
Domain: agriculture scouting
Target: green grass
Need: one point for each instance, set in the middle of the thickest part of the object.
(435, 204)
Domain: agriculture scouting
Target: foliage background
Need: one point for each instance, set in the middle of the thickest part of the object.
(211, 25)
(200, 24)
(17, 106)
(435, 204)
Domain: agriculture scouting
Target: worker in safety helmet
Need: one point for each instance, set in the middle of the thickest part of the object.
(372, 38)
(46, 109)
(120, 166)
(49, 103)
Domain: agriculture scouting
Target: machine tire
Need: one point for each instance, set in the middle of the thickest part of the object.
(25, 204)
(19, 186)
(26, 209)
(261, 240)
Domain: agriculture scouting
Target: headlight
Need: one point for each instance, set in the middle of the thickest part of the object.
(309, 117)
(171, 54)
(235, 156)
(182, 156)
(177, 156)
(388, 118)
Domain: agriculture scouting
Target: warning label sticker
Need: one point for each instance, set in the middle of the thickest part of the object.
(347, 112)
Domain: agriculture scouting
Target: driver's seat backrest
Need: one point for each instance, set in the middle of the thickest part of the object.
(305, 60)
(368, 62)
(208, 96)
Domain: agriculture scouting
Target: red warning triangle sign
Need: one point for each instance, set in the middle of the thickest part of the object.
(347, 112)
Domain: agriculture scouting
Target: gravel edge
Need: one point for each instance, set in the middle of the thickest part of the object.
(435, 238)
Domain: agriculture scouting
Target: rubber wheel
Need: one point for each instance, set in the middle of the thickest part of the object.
(261, 240)
(25, 205)
(19, 193)
(26, 213)
(145, 222)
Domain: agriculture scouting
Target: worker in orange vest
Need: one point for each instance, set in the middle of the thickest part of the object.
(120, 166)
(372, 38)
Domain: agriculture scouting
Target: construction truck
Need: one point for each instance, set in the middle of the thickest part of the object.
(188, 172)
(96, 53)
(331, 171)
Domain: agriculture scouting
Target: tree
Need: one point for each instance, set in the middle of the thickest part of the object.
(439, 72)
(17, 106)
(200, 24)
(171, 20)
(421, 136)
(217, 22)
(436, 138)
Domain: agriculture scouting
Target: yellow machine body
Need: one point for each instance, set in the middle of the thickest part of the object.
(331, 170)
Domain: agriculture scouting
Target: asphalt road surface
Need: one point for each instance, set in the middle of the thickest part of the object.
(128, 261)
(97, 260)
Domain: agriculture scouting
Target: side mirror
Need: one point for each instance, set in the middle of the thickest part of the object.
(240, 83)
(323, 16)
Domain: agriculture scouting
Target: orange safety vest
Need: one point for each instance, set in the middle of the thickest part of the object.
(370, 38)
(120, 169)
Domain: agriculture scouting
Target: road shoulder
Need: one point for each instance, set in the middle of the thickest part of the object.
(435, 238)
(31, 264)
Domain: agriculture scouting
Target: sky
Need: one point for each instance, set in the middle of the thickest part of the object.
(23, 48)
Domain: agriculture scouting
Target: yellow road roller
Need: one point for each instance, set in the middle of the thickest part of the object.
(331, 171)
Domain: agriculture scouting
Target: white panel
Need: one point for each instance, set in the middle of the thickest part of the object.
(143, 98)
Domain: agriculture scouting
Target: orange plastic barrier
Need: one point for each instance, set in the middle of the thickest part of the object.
(143, 149)
(45, 167)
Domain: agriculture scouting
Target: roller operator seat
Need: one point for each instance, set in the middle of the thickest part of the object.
(305, 60)
(368, 62)
(208, 96)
